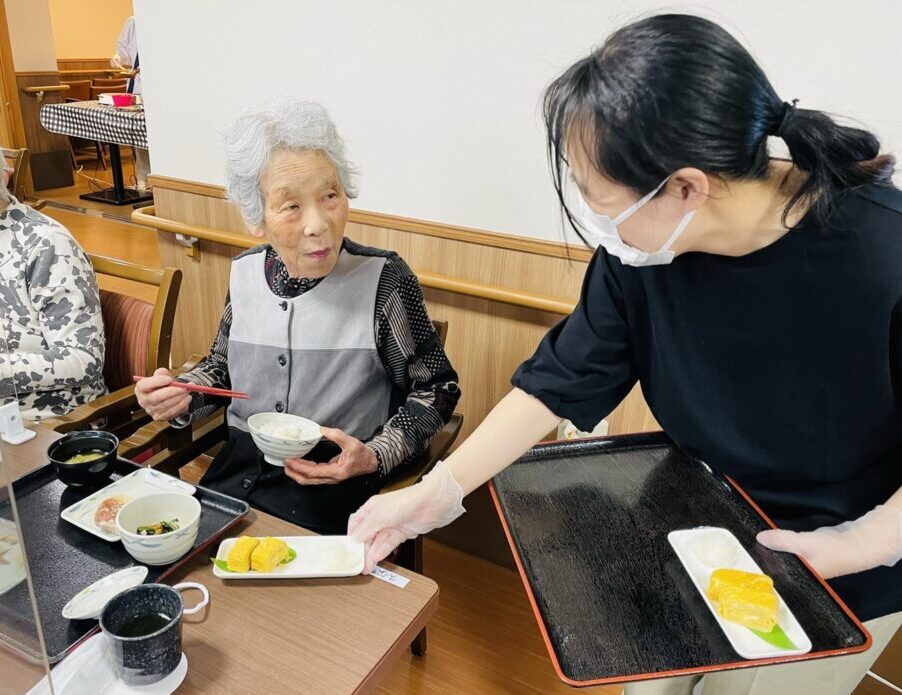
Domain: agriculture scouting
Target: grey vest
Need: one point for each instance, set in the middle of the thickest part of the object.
(314, 355)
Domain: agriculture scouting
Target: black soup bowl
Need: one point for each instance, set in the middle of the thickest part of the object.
(90, 472)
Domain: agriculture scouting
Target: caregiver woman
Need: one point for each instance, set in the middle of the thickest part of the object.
(758, 302)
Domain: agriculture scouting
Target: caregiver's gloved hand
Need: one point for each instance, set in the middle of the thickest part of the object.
(386, 521)
(854, 546)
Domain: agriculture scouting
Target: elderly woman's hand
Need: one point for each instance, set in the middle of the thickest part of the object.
(160, 400)
(356, 458)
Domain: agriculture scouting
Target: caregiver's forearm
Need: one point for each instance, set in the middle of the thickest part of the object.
(516, 423)
(896, 500)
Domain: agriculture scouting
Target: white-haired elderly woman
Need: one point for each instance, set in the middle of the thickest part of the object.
(315, 325)
(51, 326)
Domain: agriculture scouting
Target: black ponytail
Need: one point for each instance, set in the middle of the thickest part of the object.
(836, 158)
(674, 91)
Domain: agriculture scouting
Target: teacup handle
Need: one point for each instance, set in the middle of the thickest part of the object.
(201, 588)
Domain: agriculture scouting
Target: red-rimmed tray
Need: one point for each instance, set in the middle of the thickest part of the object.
(587, 521)
(64, 559)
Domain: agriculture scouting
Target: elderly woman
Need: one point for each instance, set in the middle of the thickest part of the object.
(315, 325)
(51, 328)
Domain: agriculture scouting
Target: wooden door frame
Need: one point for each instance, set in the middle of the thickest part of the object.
(11, 109)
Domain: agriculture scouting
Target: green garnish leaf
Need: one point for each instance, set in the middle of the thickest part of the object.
(776, 637)
(292, 555)
(221, 564)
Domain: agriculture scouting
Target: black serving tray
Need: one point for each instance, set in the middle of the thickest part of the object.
(588, 520)
(64, 559)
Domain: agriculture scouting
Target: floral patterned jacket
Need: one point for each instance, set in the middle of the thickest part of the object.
(51, 327)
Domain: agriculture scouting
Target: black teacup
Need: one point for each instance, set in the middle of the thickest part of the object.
(144, 628)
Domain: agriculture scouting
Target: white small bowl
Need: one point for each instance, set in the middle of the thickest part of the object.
(277, 449)
(144, 511)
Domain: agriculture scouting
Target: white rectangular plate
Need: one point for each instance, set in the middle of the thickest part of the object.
(12, 563)
(746, 643)
(141, 483)
(318, 556)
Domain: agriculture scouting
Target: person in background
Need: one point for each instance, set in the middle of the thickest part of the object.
(314, 325)
(125, 57)
(51, 327)
(757, 300)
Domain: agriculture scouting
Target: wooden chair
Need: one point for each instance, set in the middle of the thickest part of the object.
(138, 338)
(176, 447)
(18, 160)
(79, 90)
(108, 82)
(96, 90)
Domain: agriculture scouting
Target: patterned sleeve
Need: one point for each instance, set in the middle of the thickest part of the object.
(63, 291)
(414, 358)
(212, 370)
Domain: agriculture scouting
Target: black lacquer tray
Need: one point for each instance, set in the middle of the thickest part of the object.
(588, 520)
(64, 559)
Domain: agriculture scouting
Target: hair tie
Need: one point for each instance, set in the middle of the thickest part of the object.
(789, 111)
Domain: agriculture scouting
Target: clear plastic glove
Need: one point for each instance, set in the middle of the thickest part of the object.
(116, 61)
(386, 521)
(854, 546)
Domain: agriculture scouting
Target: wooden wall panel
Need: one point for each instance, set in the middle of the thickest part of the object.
(51, 166)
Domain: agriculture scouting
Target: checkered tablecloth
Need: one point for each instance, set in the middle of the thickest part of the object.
(93, 121)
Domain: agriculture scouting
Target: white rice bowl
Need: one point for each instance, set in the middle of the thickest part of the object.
(281, 435)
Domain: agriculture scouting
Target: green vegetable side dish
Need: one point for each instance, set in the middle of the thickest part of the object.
(776, 637)
(223, 565)
(85, 456)
(159, 528)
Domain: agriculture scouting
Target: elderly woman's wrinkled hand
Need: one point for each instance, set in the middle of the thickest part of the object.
(356, 458)
(160, 400)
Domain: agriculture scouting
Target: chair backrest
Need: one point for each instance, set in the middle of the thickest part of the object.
(96, 90)
(79, 90)
(18, 160)
(138, 333)
(441, 328)
(108, 81)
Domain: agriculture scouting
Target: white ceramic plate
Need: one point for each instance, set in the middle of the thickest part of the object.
(167, 686)
(12, 564)
(141, 483)
(746, 643)
(90, 601)
(318, 556)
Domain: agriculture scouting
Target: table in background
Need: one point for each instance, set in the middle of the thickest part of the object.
(92, 120)
(327, 636)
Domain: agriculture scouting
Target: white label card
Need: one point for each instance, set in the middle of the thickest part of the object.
(390, 577)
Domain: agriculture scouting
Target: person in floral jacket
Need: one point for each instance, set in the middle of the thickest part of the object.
(51, 327)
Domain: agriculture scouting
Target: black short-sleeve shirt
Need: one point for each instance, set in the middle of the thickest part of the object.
(781, 368)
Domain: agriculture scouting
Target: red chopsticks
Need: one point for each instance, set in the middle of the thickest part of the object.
(225, 393)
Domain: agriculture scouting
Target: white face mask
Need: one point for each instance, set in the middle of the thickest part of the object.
(603, 231)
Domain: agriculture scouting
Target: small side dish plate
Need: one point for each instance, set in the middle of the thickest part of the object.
(745, 641)
(317, 557)
(143, 482)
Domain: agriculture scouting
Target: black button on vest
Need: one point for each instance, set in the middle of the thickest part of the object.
(246, 483)
(280, 407)
(284, 306)
(282, 360)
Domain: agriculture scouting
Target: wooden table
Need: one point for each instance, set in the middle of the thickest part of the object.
(289, 636)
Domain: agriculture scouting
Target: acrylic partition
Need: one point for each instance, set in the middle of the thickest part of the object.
(24, 666)
(23, 658)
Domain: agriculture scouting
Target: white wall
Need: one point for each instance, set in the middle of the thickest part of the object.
(439, 101)
(30, 35)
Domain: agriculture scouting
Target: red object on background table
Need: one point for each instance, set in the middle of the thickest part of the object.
(226, 393)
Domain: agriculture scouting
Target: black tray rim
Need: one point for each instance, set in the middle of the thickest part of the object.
(650, 440)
